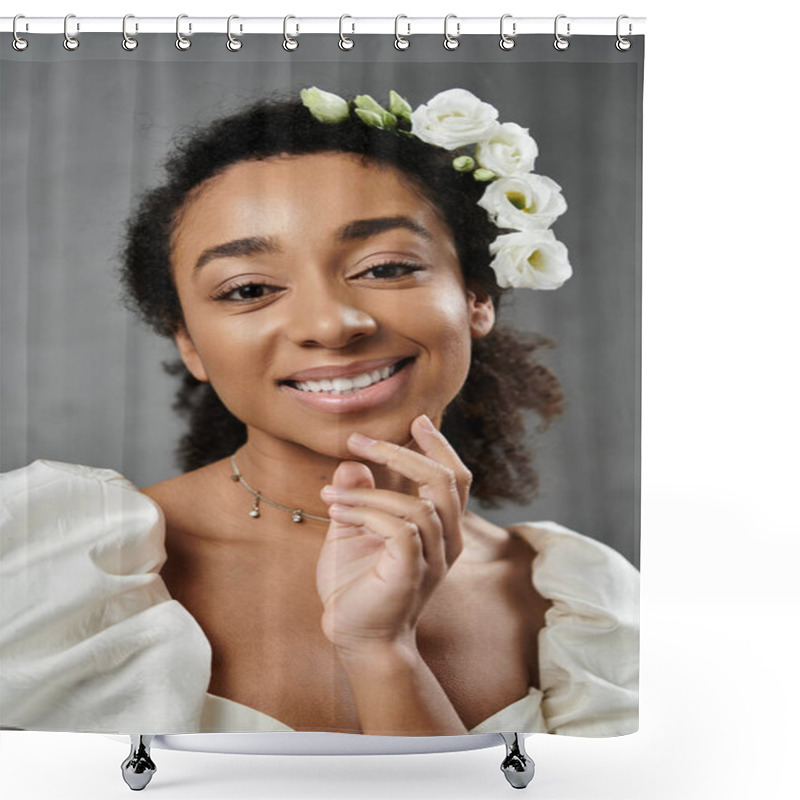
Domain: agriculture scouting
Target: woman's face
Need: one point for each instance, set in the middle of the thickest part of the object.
(322, 296)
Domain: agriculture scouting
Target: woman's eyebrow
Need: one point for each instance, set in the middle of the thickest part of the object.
(250, 245)
(364, 228)
(357, 229)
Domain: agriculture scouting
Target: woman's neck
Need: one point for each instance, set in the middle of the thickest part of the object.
(293, 475)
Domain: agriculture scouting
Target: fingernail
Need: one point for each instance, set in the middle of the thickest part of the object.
(360, 439)
(427, 424)
(332, 491)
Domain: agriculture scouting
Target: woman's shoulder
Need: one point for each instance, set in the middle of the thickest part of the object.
(188, 499)
(585, 601)
(573, 576)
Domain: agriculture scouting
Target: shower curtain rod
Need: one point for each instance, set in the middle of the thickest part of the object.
(298, 25)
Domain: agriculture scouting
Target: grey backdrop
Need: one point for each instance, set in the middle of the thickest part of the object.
(83, 133)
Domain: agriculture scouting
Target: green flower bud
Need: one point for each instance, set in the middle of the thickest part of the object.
(372, 119)
(482, 174)
(464, 164)
(325, 106)
(399, 106)
(368, 104)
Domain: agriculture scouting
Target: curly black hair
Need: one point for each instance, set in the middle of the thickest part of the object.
(485, 423)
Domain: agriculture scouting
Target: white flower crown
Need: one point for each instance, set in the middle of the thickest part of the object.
(516, 198)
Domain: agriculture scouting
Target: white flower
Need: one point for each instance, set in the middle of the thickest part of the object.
(454, 118)
(533, 259)
(523, 202)
(325, 106)
(508, 151)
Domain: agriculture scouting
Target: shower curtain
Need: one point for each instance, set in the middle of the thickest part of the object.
(531, 622)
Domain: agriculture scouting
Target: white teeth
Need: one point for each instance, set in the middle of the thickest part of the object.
(347, 385)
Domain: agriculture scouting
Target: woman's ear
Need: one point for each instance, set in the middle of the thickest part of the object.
(481, 314)
(191, 358)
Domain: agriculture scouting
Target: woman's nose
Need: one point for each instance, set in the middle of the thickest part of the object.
(325, 319)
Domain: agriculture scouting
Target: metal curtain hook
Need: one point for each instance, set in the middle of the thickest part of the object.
(233, 44)
(451, 42)
(506, 41)
(344, 42)
(400, 42)
(18, 44)
(622, 43)
(560, 42)
(182, 43)
(70, 42)
(290, 43)
(128, 42)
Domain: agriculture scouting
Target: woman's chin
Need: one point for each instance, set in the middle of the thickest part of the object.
(396, 431)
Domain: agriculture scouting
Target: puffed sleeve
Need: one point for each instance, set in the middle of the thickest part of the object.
(90, 639)
(589, 647)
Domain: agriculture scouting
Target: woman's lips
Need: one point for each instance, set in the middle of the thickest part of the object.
(356, 401)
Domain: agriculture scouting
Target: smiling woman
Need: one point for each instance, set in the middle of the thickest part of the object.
(325, 270)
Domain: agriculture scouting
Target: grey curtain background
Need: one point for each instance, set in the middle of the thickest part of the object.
(82, 134)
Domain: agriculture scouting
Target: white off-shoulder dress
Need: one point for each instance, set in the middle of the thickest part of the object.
(90, 639)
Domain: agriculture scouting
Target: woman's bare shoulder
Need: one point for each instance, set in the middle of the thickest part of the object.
(189, 496)
(494, 583)
(484, 541)
(505, 562)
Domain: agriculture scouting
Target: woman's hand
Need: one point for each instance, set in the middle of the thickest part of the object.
(385, 552)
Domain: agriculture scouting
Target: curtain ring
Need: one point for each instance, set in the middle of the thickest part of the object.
(289, 43)
(128, 42)
(507, 42)
(70, 42)
(451, 42)
(400, 42)
(19, 43)
(182, 43)
(561, 43)
(233, 44)
(344, 42)
(622, 43)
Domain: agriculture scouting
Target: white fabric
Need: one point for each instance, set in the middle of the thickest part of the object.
(90, 639)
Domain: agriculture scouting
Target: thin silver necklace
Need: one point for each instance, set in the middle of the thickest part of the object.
(297, 513)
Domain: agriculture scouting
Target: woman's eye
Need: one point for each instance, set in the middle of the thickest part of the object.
(245, 292)
(392, 270)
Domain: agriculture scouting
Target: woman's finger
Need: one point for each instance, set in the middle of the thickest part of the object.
(435, 445)
(445, 484)
(420, 511)
(402, 538)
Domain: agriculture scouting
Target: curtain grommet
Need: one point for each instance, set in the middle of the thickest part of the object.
(233, 44)
(19, 44)
(129, 42)
(622, 44)
(70, 42)
(507, 42)
(289, 42)
(451, 41)
(181, 42)
(345, 43)
(560, 43)
(401, 42)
